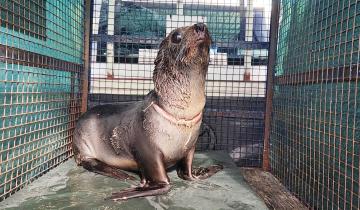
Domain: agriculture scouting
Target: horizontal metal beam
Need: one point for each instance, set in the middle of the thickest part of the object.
(258, 115)
(128, 39)
(26, 58)
(150, 79)
(188, 6)
(336, 74)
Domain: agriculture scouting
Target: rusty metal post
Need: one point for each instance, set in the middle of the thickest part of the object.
(85, 74)
(274, 26)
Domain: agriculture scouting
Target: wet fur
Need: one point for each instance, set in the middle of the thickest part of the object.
(112, 138)
(174, 65)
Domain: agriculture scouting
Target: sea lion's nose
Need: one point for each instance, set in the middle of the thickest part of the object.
(199, 27)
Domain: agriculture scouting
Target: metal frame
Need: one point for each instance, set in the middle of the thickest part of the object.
(86, 75)
(22, 57)
(274, 27)
(335, 74)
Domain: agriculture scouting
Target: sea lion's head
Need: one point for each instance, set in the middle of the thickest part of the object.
(181, 66)
(184, 48)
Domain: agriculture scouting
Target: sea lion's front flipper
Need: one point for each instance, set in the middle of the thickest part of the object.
(184, 167)
(155, 189)
(187, 172)
(153, 176)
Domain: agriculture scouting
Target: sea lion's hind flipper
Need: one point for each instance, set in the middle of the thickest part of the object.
(206, 172)
(102, 168)
(155, 189)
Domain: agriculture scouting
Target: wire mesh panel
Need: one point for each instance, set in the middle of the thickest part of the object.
(125, 40)
(315, 138)
(41, 49)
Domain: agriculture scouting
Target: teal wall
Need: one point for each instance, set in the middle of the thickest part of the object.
(35, 103)
(64, 19)
(315, 136)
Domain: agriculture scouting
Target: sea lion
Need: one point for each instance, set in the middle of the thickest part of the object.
(150, 136)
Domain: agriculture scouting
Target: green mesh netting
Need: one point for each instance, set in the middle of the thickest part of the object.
(37, 104)
(315, 133)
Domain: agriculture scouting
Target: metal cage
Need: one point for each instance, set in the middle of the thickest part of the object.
(282, 87)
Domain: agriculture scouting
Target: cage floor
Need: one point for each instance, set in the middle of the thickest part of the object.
(72, 187)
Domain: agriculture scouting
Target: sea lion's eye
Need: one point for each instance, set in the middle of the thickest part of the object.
(176, 37)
